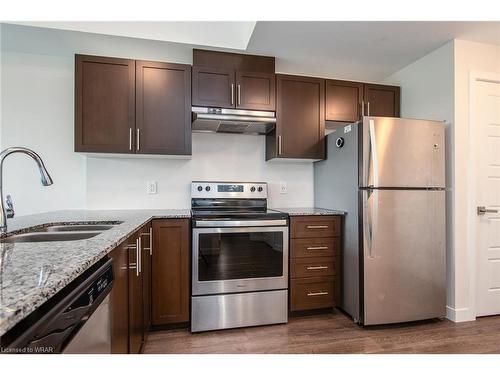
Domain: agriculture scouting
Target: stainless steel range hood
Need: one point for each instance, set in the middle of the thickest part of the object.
(240, 121)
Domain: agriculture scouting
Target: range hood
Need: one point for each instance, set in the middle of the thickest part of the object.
(240, 121)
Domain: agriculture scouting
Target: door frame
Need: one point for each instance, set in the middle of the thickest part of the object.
(472, 255)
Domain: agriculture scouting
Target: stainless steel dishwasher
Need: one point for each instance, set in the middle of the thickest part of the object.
(79, 323)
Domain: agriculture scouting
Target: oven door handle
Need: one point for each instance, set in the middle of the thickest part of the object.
(238, 223)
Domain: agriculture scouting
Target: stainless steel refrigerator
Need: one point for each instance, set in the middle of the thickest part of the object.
(388, 174)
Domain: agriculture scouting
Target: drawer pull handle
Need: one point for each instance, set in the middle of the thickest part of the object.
(317, 294)
(317, 248)
(316, 226)
(317, 268)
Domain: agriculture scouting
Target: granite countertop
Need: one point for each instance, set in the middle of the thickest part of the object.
(32, 273)
(305, 211)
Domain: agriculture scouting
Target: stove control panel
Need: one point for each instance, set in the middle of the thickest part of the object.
(241, 190)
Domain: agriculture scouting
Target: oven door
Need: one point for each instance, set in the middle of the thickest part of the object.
(240, 259)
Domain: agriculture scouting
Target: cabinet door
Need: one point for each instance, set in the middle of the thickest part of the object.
(255, 91)
(119, 301)
(381, 100)
(213, 87)
(146, 251)
(104, 104)
(343, 100)
(163, 108)
(300, 117)
(135, 297)
(170, 271)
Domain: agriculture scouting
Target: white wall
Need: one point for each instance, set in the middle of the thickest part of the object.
(427, 92)
(469, 57)
(37, 112)
(121, 182)
(37, 84)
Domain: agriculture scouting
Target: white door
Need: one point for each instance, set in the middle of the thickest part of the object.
(485, 122)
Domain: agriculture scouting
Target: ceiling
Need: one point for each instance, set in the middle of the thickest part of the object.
(367, 51)
(233, 35)
(360, 50)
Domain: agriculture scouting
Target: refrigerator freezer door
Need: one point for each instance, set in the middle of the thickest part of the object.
(402, 153)
(404, 252)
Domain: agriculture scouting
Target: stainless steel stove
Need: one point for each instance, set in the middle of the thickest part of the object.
(240, 257)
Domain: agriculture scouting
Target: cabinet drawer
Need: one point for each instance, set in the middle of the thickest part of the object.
(315, 226)
(312, 293)
(314, 247)
(310, 267)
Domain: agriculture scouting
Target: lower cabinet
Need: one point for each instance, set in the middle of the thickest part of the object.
(314, 262)
(135, 294)
(170, 271)
(119, 300)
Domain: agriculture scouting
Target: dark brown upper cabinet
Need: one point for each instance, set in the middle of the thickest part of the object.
(104, 104)
(348, 101)
(255, 90)
(128, 106)
(163, 108)
(231, 80)
(343, 100)
(300, 119)
(213, 87)
(381, 100)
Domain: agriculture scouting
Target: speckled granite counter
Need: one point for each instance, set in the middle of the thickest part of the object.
(31, 273)
(305, 211)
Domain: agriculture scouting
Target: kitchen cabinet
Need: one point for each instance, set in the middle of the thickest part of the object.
(230, 80)
(163, 108)
(132, 107)
(343, 100)
(314, 262)
(300, 119)
(381, 100)
(347, 101)
(170, 271)
(119, 301)
(135, 293)
(104, 104)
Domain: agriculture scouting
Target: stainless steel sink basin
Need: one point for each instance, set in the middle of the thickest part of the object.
(49, 236)
(77, 228)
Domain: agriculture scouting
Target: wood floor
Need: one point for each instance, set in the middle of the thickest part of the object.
(336, 333)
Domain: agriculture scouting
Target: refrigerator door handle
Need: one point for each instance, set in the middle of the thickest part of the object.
(373, 158)
(370, 220)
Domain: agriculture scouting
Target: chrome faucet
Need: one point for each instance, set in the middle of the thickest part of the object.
(44, 175)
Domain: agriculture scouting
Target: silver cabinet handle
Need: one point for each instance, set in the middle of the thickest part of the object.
(139, 253)
(317, 268)
(239, 94)
(232, 93)
(138, 140)
(362, 108)
(150, 234)
(317, 248)
(317, 294)
(130, 139)
(481, 210)
(279, 145)
(316, 226)
(368, 108)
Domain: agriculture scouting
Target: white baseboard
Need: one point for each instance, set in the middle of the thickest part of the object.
(459, 315)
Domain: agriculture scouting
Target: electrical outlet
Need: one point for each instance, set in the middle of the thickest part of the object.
(283, 187)
(151, 187)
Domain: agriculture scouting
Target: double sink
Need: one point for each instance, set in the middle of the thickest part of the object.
(66, 232)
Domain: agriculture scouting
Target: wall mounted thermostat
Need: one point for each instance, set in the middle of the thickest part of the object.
(339, 142)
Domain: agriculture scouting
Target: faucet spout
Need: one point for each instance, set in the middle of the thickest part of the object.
(44, 176)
